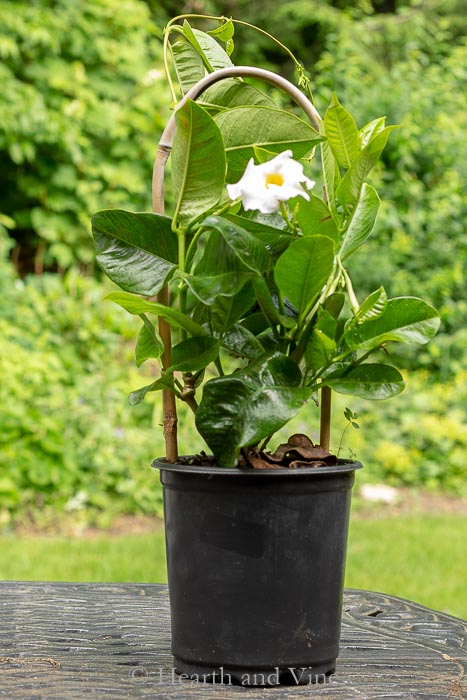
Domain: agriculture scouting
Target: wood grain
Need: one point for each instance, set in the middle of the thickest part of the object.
(64, 640)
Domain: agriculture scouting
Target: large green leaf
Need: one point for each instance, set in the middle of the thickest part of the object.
(275, 240)
(189, 65)
(404, 319)
(194, 354)
(315, 218)
(227, 311)
(331, 174)
(198, 164)
(248, 249)
(217, 257)
(303, 269)
(245, 128)
(240, 410)
(241, 342)
(348, 190)
(341, 133)
(135, 305)
(230, 93)
(368, 381)
(362, 221)
(213, 54)
(137, 251)
(208, 289)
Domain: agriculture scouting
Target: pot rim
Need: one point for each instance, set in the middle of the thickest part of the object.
(342, 467)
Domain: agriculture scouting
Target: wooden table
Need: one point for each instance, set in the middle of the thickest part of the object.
(83, 640)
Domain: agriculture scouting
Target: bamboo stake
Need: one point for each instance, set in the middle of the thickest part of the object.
(325, 424)
(169, 407)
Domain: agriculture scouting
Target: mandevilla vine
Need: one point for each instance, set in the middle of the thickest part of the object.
(249, 273)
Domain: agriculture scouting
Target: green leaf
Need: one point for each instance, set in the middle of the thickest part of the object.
(241, 342)
(135, 305)
(341, 133)
(240, 410)
(227, 311)
(217, 257)
(188, 63)
(245, 128)
(404, 319)
(326, 323)
(274, 240)
(368, 381)
(267, 304)
(319, 350)
(348, 414)
(230, 93)
(148, 343)
(303, 269)
(198, 164)
(373, 306)
(194, 354)
(137, 251)
(248, 249)
(348, 191)
(224, 32)
(334, 304)
(213, 54)
(331, 173)
(208, 289)
(315, 218)
(362, 221)
(372, 129)
(164, 382)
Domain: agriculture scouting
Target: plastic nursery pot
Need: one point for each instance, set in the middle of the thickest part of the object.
(256, 570)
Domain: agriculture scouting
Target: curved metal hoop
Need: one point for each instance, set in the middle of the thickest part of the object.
(166, 141)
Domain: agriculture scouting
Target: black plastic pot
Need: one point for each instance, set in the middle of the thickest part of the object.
(256, 569)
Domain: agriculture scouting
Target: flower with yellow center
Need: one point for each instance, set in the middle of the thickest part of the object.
(265, 186)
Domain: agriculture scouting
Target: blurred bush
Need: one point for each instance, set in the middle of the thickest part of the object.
(417, 440)
(412, 67)
(69, 439)
(80, 110)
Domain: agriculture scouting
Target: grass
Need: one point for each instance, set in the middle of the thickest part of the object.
(419, 557)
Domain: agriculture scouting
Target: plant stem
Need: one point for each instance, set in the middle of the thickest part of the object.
(342, 438)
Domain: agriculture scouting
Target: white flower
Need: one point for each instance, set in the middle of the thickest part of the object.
(264, 186)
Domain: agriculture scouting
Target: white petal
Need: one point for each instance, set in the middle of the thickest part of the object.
(255, 191)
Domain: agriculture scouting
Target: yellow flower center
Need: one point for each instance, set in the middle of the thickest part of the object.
(274, 179)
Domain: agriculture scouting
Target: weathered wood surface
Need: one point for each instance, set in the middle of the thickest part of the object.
(60, 641)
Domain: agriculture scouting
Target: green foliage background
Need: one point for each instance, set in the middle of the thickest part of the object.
(80, 109)
(82, 104)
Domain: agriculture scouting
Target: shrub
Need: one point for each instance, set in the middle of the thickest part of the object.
(69, 438)
(79, 116)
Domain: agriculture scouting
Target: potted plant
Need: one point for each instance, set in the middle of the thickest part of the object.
(246, 301)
